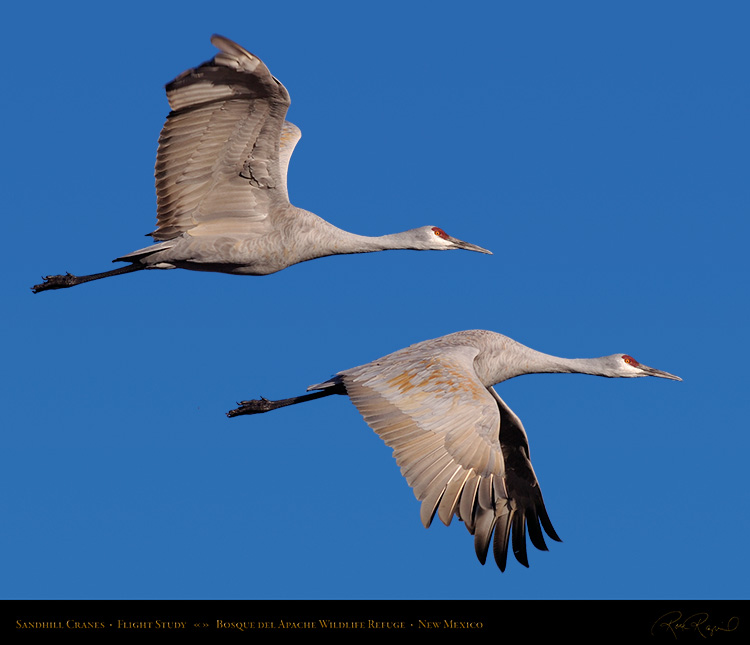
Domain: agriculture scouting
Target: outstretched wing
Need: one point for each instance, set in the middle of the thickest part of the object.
(224, 149)
(460, 448)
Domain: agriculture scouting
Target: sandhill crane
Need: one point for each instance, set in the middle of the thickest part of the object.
(460, 447)
(221, 171)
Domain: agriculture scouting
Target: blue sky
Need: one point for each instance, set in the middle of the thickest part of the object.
(599, 150)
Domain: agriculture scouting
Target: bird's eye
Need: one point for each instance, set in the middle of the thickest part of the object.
(630, 360)
(439, 232)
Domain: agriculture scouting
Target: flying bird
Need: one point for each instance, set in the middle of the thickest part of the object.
(459, 446)
(221, 182)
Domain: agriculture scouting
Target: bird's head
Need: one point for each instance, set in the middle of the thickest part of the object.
(626, 366)
(433, 238)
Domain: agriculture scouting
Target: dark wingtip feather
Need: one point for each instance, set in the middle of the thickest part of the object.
(519, 538)
(547, 524)
(535, 531)
(481, 548)
(482, 534)
(500, 543)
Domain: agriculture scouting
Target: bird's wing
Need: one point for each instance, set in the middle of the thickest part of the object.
(526, 507)
(460, 448)
(224, 149)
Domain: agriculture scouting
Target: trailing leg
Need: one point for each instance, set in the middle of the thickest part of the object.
(70, 280)
(257, 406)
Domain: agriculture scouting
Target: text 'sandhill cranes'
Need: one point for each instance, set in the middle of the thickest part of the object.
(221, 170)
(460, 447)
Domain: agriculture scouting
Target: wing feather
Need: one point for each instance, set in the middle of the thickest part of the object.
(518, 537)
(535, 532)
(501, 539)
(435, 476)
(482, 534)
(452, 495)
(430, 505)
(468, 501)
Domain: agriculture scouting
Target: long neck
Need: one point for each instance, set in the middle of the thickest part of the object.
(516, 359)
(403, 240)
(540, 363)
(322, 239)
(342, 242)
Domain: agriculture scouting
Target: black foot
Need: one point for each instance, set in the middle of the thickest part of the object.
(256, 406)
(56, 282)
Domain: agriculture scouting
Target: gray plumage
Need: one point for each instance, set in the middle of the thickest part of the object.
(459, 446)
(221, 172)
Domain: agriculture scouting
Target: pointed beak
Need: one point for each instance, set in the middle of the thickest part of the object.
(467, 246)
(650, 371)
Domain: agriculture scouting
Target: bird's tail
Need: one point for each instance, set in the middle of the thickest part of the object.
(334, 382)
(149, 250)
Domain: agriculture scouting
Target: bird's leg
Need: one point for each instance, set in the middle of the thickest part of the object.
(256, 406)
(70, 280)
